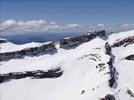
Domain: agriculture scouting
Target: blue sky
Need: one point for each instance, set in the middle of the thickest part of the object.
(82, 12)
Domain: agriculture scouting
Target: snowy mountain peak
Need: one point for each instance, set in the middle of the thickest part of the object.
(83, 68)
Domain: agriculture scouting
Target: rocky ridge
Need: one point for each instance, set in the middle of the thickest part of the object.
(111, 63)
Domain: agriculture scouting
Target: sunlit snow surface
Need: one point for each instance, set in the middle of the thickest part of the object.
(79, 73)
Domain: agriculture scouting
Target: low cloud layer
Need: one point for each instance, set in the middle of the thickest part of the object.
(116, 28)
(12, 26)
(17, 27)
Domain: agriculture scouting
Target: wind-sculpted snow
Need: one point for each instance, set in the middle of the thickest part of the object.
(86, 71)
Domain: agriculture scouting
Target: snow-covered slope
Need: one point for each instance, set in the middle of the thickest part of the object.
(124, 67)
(86, 72)
(10, 47)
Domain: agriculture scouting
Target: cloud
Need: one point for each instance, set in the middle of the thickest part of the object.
(73, 26)
(20, 26)
(11, 26)
(125, 27)
(112, 28)
(100, 25)
(7, 25)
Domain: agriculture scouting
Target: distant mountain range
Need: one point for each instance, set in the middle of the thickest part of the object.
(37, 37)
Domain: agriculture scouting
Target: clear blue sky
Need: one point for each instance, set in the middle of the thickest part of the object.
(70, 11)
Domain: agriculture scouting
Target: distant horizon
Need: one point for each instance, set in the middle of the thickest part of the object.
(59, 16)
(41, 37)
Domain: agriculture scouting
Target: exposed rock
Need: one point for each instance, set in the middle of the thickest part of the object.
(125, 42)
(70, 41)
(108, 97)
(93, 57)
(108, 48)
(130, 57)
(83, 91)
(3, 41)
(112, 79)
(73, 41)
(27, 52)
(100, 33)
(101, 64)
(53, 73)
(87, 37)
(130, 93)
(112, 69)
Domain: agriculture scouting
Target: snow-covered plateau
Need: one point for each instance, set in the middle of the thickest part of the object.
(100, 69)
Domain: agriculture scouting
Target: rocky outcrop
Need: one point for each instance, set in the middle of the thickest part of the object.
(87, 37)
(130, 93)
(108, 97)
(124, 42)
(3, 41)
(70, 41)
(27, 52)
(112, 69)
(130, 57)
(73, 41)
(100, 33)
(66, 42)
(108, 48)
(37, 74)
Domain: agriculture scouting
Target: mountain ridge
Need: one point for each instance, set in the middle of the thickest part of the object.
(93, 70)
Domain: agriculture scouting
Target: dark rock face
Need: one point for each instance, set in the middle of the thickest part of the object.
(108, 48)
(125, 42)
(83, 91)
(88, 37)
(108, 97)
(112, 79)
(37, 74)
(130, 57)
(100, 33)
(73, 41)
(112, 69)
(27, 52)
(3, 41)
